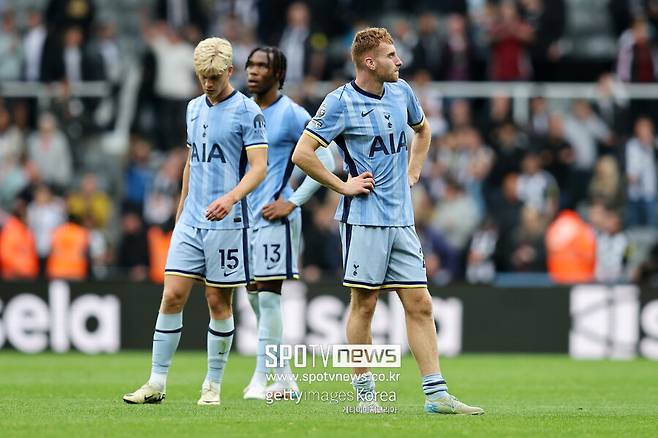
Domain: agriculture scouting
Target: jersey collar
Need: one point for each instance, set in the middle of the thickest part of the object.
(365, 93)
(210, 105)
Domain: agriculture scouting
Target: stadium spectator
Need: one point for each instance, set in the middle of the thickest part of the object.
(11, 139)
(457, 56)
(611, 103)
(33, 43)
(182, 13)
(18, 252)
(505, 209)
(45, 213)
(138, 174)
(11, 50)
(571, 249)
(509, 144)
(63, 14)
(500, 113)
(161, 201)
(460, 114)
(431, 102)
(547, 18)
(456, 216)
(528, 250)
(133, 253)
(539, 117)
(613, 250)
(158, 246)
(47, 146)
(637, 59)
(557, 156)
(584, 130)
(442, 261)
(298, 46)
(537, 188)
(89, 203)
(480, 263)
(69, 255)
(426, 53)
(175, 83)
(606, 186)
(73, 61)
(322, 252)
(509, 35)
(641, 175)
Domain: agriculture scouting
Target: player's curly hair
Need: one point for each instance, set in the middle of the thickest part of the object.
(212, 56)
(368, 39)
(276, 60)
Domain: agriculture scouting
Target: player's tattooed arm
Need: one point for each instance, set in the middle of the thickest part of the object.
(420, 145)
(222, 206)
(186, 182)
(305, 157)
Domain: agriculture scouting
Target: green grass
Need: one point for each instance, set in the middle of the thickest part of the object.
(73, 394)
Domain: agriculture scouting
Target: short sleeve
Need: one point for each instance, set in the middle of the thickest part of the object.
(328, 122)
(415, 116)
(254, 134)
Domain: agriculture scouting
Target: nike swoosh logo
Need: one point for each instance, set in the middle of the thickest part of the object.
(270, 267)
(221, 352)
(226, 274)
(366, 113)
(194, 118)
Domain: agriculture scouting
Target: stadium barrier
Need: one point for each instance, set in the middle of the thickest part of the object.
(586, 321)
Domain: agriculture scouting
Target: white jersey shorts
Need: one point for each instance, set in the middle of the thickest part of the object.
(220, 258)
(382, 257)
(275, 249)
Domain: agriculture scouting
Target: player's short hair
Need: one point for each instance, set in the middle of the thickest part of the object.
(368, 39)
(212, 56)
(276, 60)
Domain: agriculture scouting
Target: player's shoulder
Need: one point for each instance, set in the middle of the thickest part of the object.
(246, 103)
(400, 86)
(195, 103)
(293, 107)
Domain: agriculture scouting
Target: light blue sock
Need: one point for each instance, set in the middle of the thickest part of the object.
(220, 338)
(270, 326)
(167, 333)
(434, 386)
(364, 385)
(253, 300)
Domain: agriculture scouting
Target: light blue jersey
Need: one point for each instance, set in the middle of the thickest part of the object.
(373, 135)
(285, 123)
(219, 136)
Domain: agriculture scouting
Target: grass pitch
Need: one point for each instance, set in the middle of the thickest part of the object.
(78, 395)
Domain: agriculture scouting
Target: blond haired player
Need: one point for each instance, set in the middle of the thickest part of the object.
(210, 244)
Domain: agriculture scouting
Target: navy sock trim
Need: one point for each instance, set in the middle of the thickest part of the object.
(222, 334)
(178, 330)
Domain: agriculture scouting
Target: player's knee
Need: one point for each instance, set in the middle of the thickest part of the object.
(420, 306)
(365, 308)
(173, 299)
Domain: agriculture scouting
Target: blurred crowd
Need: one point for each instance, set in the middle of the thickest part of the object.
(489, 191)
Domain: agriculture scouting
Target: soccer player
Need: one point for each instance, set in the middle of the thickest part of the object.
(276, 218)
(225, 132)
(368, 118)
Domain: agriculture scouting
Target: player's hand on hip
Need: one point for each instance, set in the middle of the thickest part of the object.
(278, 209)
(220, 207)
(359, 185)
